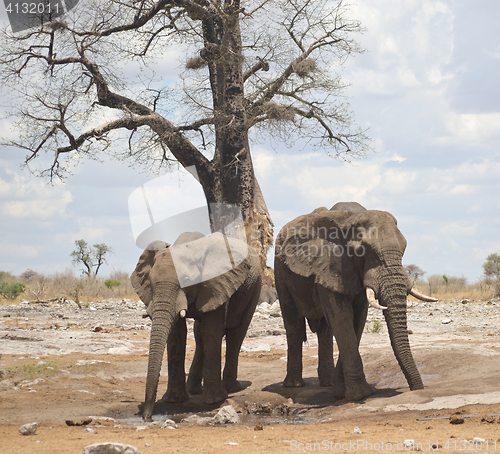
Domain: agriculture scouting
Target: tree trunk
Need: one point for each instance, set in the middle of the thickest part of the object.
(230, 177)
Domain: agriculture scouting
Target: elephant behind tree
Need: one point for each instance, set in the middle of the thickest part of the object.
(268, 294)
(224, 277)
(329, 265)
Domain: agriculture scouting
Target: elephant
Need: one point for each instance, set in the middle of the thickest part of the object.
(267, 294)
(214, 279)
(329, 266)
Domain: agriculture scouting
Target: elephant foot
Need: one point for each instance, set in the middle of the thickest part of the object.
(339, 390)
(175, 396)
(147, 412)
(213, 395)
(326, 377)
(194, 388)
(232, 386)
(293, 381)
(359, 392)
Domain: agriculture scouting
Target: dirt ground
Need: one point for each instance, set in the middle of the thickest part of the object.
(61, 363)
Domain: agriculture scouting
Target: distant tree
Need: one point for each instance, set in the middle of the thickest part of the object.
(90, 257)
(445, 279)
(492, 266)
(29, 275)
(492, 271)
(414, 273)
(112, 283)
(434, 281)
(11, 290)
(5, 276)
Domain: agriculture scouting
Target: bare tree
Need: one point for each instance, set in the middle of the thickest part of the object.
(267, 66)
(90, 257)
(414, 273)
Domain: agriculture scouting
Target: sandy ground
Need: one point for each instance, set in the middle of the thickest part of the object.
(62, 363)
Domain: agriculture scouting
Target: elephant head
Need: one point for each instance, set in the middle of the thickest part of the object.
(349, 251)
(195, 275)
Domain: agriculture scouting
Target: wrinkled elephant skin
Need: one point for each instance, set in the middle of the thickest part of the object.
(220, 304)
(325, 262)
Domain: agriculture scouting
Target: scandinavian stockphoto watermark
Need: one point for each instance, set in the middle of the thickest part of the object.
(454, 445)
(26, 14)
(310, 241)
(221, 247)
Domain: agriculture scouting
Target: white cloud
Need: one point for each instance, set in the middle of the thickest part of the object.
(470, 129)
(24, 197)
(23, 251)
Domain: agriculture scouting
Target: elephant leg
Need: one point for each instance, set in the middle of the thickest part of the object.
(234, 339)
(360, 312)
(212, 331)
(339, 310)
(326, 368)
(176, 354)
(295, 327)
(195, 377)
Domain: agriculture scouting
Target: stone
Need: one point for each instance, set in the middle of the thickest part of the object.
(28, 429)
(168, 424)
(227, 415)
(5, 384)
(110, 448)
(357, 431)
(446, 321)
(456, 419)
(196, 420)
(408, 444)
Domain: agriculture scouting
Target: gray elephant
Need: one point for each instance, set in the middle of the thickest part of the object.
(216, 280)
(268, 294)
(329, 265)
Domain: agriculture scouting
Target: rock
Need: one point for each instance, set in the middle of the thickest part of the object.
(168, 424)
(119, 351)
(83, 422)
(477, 440)
(227, 415)
(5, 384)
(408, 444)
(357, 431)
(195, 420)
(456, 419)
(446, 321)
(110, 448)
(28, 429)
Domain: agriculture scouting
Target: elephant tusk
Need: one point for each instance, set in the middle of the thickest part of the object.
(370, 296)
(422, 297)
(182, 313)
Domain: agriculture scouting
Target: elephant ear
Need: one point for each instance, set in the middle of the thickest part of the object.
(140, 277)
(217, 291)
(319, 245)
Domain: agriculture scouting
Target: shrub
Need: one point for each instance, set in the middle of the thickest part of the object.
(112, 283)
(11, 291)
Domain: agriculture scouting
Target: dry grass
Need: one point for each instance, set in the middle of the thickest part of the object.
(77, 288)
(456, 289)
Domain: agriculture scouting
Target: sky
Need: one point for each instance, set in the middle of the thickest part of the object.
(427, 90)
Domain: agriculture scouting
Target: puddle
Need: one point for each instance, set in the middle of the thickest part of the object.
(298, 416)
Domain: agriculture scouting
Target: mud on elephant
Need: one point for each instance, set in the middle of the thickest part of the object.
(329, 265)
(216, 280)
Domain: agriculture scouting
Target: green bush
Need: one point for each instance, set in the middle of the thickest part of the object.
(11, 291)
(111, 283)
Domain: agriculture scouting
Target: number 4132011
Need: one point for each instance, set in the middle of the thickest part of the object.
(32, 8)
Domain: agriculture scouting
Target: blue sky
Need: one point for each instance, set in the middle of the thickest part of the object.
(427, 88)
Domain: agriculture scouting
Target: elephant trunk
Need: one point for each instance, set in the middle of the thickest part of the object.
(163, 317)
(393, 291)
